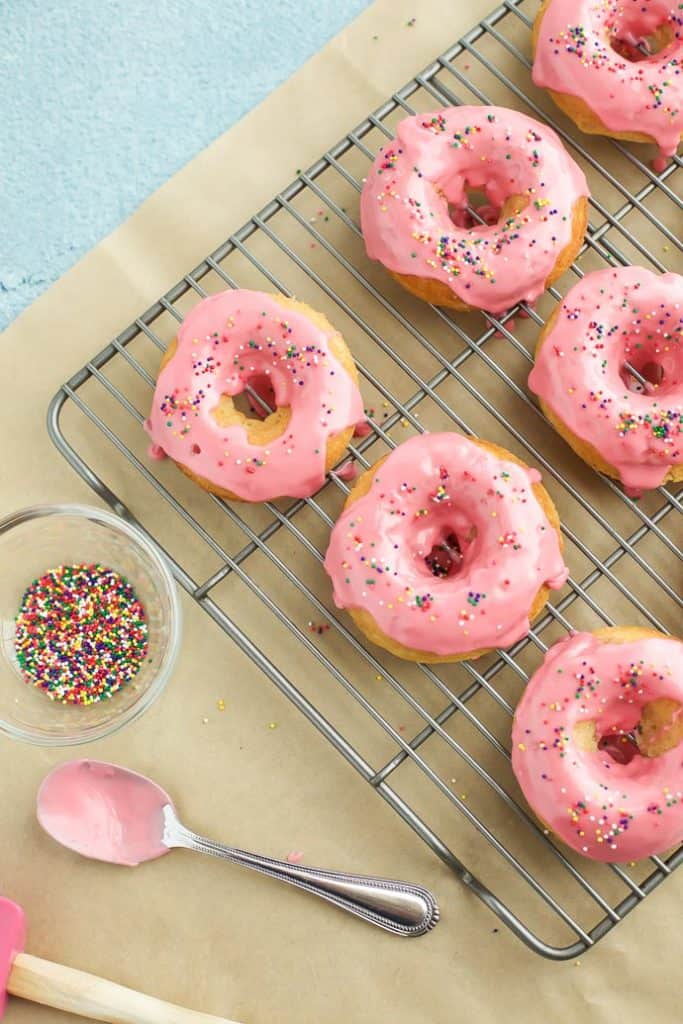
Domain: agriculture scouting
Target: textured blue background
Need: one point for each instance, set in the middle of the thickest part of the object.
(103, 100)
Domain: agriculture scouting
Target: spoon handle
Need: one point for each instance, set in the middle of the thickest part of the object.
(397, 907)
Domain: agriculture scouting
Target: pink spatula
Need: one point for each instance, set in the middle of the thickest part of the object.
(75, 991)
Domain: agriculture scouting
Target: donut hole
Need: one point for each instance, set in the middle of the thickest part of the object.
(635, 44)
(476, 210)
(621, 747)
(478, 207)
(257, 401)
(659, 730)
(642, 379)
(445, 557)
(251, 408)
(652, 365)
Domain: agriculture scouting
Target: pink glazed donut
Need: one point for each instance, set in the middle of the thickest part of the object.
(446, 548)
(608, 795)
(415, 221)
(293, 359)
(589, 55)
(619, 426)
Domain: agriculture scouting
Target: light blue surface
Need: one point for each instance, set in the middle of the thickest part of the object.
(103, 100)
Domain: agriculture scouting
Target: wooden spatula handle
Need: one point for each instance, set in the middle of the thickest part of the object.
(77, 992)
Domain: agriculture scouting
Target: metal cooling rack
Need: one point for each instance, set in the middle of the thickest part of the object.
(455, 712)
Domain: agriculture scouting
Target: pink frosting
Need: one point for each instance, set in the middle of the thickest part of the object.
(575, 55)
(405, 214)
(603, 809)
(237, 337)
(104, 812)
(431, 487)
(609, 318)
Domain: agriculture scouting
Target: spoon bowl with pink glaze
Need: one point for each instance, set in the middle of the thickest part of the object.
(109, 813)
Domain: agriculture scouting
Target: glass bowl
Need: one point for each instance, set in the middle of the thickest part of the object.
(35, 540)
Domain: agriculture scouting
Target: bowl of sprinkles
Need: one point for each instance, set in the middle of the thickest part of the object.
(89, 624)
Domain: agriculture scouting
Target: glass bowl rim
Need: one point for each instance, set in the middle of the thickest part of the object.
(158, 684)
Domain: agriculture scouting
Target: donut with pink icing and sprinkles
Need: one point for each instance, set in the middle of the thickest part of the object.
(615, 67)
(596, 743)
(421, 219)
(609, 374)
(447, 548)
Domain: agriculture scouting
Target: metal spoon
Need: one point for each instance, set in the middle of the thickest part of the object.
(109, 813)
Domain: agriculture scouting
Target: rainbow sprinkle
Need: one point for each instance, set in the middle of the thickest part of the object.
(80, 633)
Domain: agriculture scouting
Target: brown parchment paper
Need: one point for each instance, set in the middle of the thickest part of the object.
(199, 932)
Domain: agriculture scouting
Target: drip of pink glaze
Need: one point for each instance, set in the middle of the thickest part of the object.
(603, 809)
(609, 318)
(574, 56)
(362, 429)
(228, 340)
(428, 167)
(348, 471)
(659, 163)
(295, 857)
(429, 487)
(156, 452)
(104, 812)
(509, 327)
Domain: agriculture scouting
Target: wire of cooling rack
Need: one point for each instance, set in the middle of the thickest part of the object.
(605, 894)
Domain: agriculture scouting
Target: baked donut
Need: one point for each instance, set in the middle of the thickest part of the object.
(595, 742)
(414, 208)
(616, 424)
(292, 357)
(445, 549)
(592, 56)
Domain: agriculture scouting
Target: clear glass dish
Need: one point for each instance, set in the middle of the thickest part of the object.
(40, 538)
